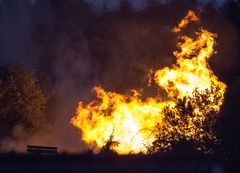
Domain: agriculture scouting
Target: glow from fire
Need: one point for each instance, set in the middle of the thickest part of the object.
(136, 122)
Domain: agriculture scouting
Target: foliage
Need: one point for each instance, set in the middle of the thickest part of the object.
(22, 101)
(190, 121)
(109, 145)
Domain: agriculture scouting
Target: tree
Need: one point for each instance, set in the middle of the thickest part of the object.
(22, 101)
(190, 121)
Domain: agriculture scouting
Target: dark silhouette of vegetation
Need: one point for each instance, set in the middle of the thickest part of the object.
(190, 123)
(22, 101)
(109, 146)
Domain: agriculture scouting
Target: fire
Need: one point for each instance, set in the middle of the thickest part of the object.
(136, 123)
(191, 17)
(191, 70)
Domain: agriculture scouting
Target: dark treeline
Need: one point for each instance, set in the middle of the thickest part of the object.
(73, 47)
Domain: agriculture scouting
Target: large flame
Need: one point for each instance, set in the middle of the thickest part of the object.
(133, 121)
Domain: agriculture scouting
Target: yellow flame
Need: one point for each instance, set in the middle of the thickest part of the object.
(133, 120)
(191, 70)
(191, 17)
(130, 118)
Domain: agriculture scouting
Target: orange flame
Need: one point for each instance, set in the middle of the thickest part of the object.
(191, 17)
(132, 119)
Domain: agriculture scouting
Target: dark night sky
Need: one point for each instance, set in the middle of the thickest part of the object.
(137, 3)
(140, 3)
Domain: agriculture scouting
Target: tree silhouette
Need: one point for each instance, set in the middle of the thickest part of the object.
(22, 101)
(190, 121)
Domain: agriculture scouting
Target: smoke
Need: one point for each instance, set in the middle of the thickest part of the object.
(74, 47)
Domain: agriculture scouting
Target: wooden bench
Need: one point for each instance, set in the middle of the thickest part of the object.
(41, 150)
